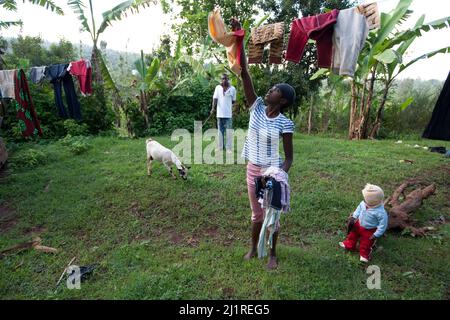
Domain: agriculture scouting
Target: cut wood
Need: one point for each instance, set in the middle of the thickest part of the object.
(400, 211)
(36, 244)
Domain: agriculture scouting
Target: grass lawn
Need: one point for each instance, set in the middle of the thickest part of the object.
(158, 238)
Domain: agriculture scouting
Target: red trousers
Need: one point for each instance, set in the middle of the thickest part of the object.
(363, 235)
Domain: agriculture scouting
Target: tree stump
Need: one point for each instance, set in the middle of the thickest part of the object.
(400, 212)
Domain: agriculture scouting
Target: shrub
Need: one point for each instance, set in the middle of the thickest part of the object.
(74, 128)
(79, 147)
(29, 159)
(76, 144)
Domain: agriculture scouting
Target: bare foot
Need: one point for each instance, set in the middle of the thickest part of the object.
(273, 263)
(251, 254)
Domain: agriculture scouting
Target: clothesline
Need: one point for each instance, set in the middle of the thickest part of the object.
(381, 1)
(81, 69)
(361, 3)
(28, 69)
(339, 34)
(14, 86)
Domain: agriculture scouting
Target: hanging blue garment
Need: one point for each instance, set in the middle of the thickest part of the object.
(61, 78)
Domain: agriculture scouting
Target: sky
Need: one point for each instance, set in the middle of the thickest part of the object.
(143, 30)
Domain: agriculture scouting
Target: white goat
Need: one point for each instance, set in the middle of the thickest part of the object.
(157, 152)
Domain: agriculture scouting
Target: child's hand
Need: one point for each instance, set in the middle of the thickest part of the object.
(350, 224)
(235, 24)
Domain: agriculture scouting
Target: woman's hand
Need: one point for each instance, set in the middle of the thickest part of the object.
(235, 24)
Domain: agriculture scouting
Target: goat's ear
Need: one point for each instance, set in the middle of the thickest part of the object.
(188, 167)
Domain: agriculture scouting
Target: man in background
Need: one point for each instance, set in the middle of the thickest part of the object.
(223, 99)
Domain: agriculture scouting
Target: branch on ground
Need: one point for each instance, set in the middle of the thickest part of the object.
(400, 212)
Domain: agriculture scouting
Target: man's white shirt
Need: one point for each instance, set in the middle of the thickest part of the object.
(224, 101)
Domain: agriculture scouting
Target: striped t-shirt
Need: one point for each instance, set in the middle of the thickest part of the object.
(264, 134)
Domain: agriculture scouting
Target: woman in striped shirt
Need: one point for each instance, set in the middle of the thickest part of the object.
(267, 126)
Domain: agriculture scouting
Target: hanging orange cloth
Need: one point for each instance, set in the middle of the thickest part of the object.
(233, 41)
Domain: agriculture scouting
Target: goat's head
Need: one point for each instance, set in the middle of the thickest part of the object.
(183, 171)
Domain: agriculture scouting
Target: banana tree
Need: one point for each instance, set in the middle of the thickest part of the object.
(393, 64)
(11, 5)
(168, 75)
(146, 77)
(100, 72)
(381, 60)
(116, 13)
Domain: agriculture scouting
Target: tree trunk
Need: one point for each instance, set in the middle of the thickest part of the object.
(359, 121)
(310, 115)
(143, 99)
(377, 124)
(96, 73)
(326, 117)
(326, 122)
(353, 107)
(365, 117)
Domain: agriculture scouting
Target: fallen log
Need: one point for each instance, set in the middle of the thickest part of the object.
(400, 211)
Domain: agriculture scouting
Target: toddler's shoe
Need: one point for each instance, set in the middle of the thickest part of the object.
(342, 245)
(362, 259)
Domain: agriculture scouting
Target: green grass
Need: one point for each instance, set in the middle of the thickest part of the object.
(158, 238)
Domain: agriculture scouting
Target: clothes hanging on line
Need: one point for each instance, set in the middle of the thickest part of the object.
(7, 83)
(61, 78)
(370, 11)
(26, 112)
(14, 85)
(319, 28)
(272, 34)
(233, 41)
(37, 74)
(82, 70)
(350, 33)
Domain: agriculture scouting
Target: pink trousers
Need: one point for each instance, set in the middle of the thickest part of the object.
(254, 171)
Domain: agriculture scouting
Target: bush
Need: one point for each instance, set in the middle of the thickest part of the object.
(96, 111)
(76, 144)
(137, 121)
(170, 112)
(79, 147)
(74, 128)
(241, 120)
(29, 159)
(108, 133)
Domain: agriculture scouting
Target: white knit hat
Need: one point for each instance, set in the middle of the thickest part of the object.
(373, 195)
